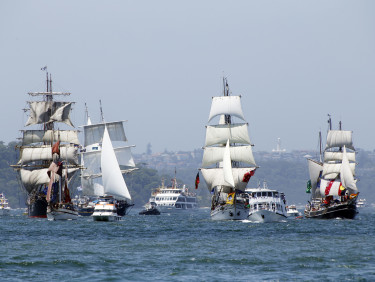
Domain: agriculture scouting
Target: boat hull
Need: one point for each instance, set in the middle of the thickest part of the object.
(266, 216)
(38, 208)
(152, 211)
(343, 210)
(62, 214)
(107, 218)
(230, 212)
(85, 211)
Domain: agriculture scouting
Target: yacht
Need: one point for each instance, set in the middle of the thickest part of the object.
(292, 211)
(266, 205)
(174, 199)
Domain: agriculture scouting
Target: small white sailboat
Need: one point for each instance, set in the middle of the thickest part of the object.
(266, 205)
(109, 209)
(228, 161)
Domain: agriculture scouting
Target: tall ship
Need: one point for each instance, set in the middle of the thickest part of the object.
(102, 177)
(332, 181)
(47, 114)
(173, 199)
(228, 161)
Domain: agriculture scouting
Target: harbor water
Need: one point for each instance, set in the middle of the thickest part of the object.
(187, 247)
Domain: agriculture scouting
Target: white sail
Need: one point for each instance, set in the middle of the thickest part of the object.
(314, 170)
(346, 175)
(338, 156)
(44, 153)
(47, 111)
(227, 166)
(215, 177)
(329, 188)
(113, 180)
(331, 170)
(339, 138)
(123, 154)
(226, 105)
(49, 136)
(94, 133)
(32, 178)
(212, 155)
(219, 134)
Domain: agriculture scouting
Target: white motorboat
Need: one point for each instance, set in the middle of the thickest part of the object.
(105, 210)
(292, 211)
(266, 205)
(4, 206)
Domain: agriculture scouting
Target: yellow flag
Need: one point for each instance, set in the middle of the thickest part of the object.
(230, 198)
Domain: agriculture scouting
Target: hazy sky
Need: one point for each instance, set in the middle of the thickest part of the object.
(158, 63)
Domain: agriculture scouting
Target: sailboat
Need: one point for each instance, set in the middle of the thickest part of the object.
(36, 153)
(332, 184)
(228, 161)
(102, 177)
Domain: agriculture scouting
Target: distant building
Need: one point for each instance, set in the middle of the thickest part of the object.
(278, 147)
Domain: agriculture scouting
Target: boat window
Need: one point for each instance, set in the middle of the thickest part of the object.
(264, 194)
(276, 194)
(259, 194)
(269, 194)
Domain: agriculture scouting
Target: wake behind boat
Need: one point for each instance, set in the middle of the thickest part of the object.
(332, 185)
(266, 205)
(228, 161)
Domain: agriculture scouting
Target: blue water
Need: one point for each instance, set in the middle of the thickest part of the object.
(187, 247)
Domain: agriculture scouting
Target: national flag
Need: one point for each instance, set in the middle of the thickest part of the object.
(342, 190)
(56, 148)
(248, 175)
(197, 180)
(230, 198)
(44, 68)
(308, 187)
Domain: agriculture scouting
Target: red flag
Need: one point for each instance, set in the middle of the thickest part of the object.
(197, 180)
(248, 175)
(56, 148)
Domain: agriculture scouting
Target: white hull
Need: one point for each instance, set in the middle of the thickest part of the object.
(105, 211)
(165, 209)
(4, 212)
(108, 218)
(230, 212)
(62, 214)
(266, 216)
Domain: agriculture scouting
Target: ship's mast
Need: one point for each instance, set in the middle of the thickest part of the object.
(329, 122)
(226, 93)
(101, 111)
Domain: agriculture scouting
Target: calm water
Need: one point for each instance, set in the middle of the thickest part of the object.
(187, 247)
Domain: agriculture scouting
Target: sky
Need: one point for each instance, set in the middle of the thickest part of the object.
(157, 64)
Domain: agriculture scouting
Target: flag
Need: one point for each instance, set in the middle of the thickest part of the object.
(197, 180)
(56, 148)
(342, 190)
(308, 188)
(248, 175)
(230, 198)
(44, 68)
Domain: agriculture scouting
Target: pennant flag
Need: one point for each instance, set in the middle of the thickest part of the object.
(197, 180)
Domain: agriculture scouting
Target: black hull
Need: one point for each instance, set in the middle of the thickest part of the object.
(152, 211)
(122, 207)
(343, 210)
(37, 209)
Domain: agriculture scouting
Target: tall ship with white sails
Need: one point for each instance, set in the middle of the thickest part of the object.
(102, 177)
(46, 116)
(228, 161)
(332, 181)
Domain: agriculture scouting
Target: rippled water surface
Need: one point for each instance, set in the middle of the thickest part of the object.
(187, 247)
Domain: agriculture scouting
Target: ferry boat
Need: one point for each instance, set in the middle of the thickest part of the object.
(4, 206)
(174, 199)
(266, 205)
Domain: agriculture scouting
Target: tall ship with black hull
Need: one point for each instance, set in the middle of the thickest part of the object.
(228, 161)
(332, 184)
(105, 150)
(46, 115)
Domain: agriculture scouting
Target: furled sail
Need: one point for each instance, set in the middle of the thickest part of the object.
(226, 105)
(94, 133)
(227, 166)
(30, 154)
(339, 138)
(49, 111)
(219, 134)
(113, 180)
(213, 155)
(346, 175)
